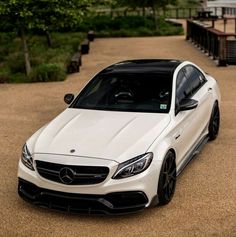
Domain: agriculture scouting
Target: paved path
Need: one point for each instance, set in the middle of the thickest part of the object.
(205, 200)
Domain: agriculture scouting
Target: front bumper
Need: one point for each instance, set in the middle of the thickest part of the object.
(103, 197)
(111, 203)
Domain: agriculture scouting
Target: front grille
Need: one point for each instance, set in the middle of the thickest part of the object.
(72, 174)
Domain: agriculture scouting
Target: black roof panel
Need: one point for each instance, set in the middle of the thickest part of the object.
(144, 66)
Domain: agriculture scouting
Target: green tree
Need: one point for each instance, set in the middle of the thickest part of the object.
(157, 4)
(20, 15)
(153, 4)
(46, 15)
(53, 15)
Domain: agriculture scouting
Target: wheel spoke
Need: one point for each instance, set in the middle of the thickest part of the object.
(166, 180)
(215, 125)
(165, 185)
(173, 175)
(166, 167)
(171, 187)
(169, 190)
(166, 190)
(170, 163)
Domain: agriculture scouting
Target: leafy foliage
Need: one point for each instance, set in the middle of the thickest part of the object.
(43, 15)
(146, 3)
(189, 3)
(27, 18)
(153, 4)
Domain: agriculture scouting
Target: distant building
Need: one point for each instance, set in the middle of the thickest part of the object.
(221, 3)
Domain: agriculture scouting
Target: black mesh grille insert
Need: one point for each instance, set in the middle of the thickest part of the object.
(72, 174)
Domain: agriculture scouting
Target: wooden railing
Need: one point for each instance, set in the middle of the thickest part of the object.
(219, 45)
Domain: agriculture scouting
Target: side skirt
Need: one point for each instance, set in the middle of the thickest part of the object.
(193, 154)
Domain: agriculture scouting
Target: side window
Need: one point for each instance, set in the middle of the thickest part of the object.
(181, 85)
(188, 81)
(195, 80)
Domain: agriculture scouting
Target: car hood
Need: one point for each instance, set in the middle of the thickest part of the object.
(100, 134)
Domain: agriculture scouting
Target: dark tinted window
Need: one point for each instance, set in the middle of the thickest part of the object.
(195, 79)
(181, 85)
(127, 92)
(189, 80)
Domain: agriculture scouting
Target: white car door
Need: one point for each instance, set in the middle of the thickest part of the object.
(190, 124)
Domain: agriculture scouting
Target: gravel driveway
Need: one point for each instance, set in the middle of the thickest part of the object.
(205, 200)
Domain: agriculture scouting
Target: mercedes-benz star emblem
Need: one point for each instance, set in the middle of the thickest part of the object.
(66, 175)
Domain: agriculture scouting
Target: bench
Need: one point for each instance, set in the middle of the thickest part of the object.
(75, 63)
(91, 35)
(84, 46)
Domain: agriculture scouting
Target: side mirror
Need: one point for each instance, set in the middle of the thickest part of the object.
(68, 98)
(187, 104)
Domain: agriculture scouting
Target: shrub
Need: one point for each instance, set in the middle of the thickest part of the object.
(48, 72)
(18, 78)
(129, 26)
(4, 50)
(103, 23)
(15, 62)
(143, 31)
(4, 76)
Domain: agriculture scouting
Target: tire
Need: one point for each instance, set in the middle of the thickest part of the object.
(167, 179)
(214, 123)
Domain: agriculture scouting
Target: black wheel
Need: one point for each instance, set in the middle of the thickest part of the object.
(167, 179)
(214, 123)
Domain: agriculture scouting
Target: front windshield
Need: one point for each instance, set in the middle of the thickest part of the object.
(127, 92)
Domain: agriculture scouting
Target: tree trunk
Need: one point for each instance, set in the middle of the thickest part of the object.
(155, 16)
(26, 52)
(49, 39)
(143, 10)
(111, 12)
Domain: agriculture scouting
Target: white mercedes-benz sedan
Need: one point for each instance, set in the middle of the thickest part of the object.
(123, 140)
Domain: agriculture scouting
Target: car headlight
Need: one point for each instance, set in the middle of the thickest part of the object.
(133, 166)
(26, 158)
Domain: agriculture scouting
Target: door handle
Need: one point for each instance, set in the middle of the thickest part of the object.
(177, 136)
